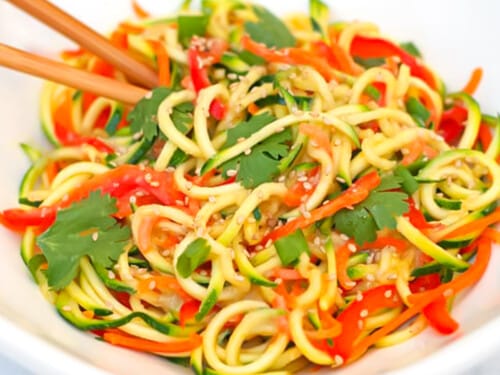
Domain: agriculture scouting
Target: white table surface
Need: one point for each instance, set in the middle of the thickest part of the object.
(489, 367)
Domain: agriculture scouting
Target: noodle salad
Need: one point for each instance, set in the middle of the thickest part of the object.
(294, 192)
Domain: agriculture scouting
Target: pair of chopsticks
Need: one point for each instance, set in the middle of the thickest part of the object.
(91, 41)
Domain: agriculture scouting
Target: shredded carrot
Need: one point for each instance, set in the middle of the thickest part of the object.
(163, 283)
(51, 171)
(415, 149)
(342, 257)
(175, 346)
(474, 81)
(72, 53)
(163, 62)
(477, 225)
(253, 108)
(119, 39)
(139, 11)
(420, 300)
(89, 314)
(130, 29)
(317, 135)
(381, 242)
(287, 274)
(485, 136)
(145, 233)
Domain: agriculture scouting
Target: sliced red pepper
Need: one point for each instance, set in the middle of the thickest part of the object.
(367, 48)
(355, 194)
(297, 192)
(352, 318)
(416, 217)
(136, 343)
(439, 317)
(485, 137)
(451, 126)
(199, 61)
(188, 311)
(117, 182)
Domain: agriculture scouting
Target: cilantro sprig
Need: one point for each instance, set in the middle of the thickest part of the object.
(269, 29)
(262, 163)
(377, 211)
(86, 228)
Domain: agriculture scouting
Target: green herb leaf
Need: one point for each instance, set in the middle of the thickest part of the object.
(144, 115)
(262, 164)
(269, 29)
(370, 62)
(418, 111)
(289, 248)
(411, 48)
(191, 25)
(409, 183)
(376, 212)
(195, 255)
(84, 228)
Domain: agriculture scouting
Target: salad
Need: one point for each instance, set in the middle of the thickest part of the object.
(294, 192)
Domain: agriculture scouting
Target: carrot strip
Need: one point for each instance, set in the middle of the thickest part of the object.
(414, 151)
(474, 81)
(492, 234)
(342, 257)
(319, 136)
(485, 136)
(382, 242)
(253, 108)
(477, 225)
(139, 11)
(163, 62)
(421, 300)
(129, 342)
(355, 194)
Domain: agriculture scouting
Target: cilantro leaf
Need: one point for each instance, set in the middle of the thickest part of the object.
(84, 228)
(247, 128)
(196, 254)
(289, 248)
(144, 115)
(262, 164)
(377, 211)
(191, 25)
(269, 29)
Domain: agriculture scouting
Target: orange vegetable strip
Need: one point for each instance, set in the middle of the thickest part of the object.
(492, 234)
(477, 225)
(414, 151)
(420, 300)
(163, 62)
(253, 108)
(129, 342)
(474, 81)
(485, 136)
(381, 242)
(139, 11)
(342, 257)
(439, 317)
(355, 194)
(318, 135)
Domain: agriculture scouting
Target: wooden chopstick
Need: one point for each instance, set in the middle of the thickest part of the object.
(89, 39)
(69, 76)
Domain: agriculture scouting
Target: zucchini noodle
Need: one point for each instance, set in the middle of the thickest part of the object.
(275, 205)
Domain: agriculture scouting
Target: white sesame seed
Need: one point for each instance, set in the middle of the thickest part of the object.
(338, 359)
(317, 240)
(388, 294)
(248, 151)
(152, 285)
(448, 292)
(232, 172)
(363, 313)
(111, 275)
(302, 179)
(281, 178)
(359, 296)
(95, 236)
(341, 180)
(132, 199)
(179, 202)
(343, 237)
(148, 95)
(189, 185)
(352, 248)
(212, 199)
(307, 185)
(66, 308)
(350, 284)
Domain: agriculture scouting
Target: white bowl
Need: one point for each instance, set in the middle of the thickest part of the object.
(454, 35)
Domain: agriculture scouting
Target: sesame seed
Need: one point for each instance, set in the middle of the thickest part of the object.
(341, 180)
(350, 284)
(268, 243)
(111, 275)
(343, 237)
(317, 240)
(154, 183)
(132, 199)
(281, 179)
(370, 277)
(179, 202)
(360, 324)
(66, 308)
(95, 236)
(189, 185)
(232, 76)
(388, 294)
(152, 285)
(302, 179)
(248, 151)
(352, 248)
(232, 172)
(307, 214)
(148, 95)
(240, 139)
(359, 296)
(307, 185)
(363, 313)
(338, 359)
(448, 292)
(212, 199)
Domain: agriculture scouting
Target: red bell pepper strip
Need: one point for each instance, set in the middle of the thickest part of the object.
(451, 126)
(484, 137)
(416, 217)
(439, 317)
(352, 318)
(199, 61)
(188, 311)
(367, 48)
(117, 182)
(355, 194)
(420, 300)
(143, 345)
